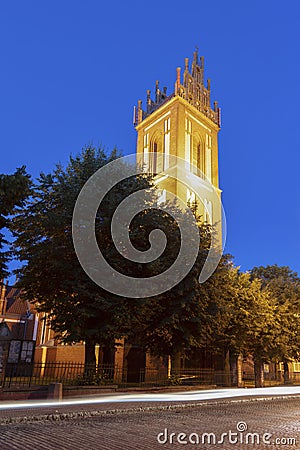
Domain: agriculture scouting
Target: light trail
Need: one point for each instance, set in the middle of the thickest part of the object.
(188, 396)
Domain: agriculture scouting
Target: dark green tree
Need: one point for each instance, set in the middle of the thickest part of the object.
(257, 316)
(248, 322)
(178, 321)
(284, 287)
(13, 191)
(51, 276)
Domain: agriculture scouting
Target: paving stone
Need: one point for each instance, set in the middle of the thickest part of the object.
(137, 428)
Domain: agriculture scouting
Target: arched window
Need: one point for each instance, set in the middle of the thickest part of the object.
(196, 159)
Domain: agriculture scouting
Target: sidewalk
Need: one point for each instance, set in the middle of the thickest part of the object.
(39, 411)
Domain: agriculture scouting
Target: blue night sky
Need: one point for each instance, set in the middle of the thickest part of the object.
(71, 72)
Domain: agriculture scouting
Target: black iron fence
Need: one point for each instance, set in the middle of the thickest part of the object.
(68, 373)
(78, 374)
(191, 377)
(18, 375)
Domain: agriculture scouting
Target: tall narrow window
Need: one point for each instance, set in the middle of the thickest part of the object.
(198, 157)
(208, 211)
(208, 163)
(208, 157)
(166, 143)
(153, 159)
(188, 132)
(195, 159)
(146, 152)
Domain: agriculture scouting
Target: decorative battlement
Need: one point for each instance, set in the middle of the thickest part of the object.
(192, 89)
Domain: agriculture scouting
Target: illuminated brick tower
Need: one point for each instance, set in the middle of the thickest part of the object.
(181, 124)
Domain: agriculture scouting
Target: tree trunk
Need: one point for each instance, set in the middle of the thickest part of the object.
(286, 373)
(227, 373)
(90, 356)
(176, 362)
(169, 365)
(240, 371)
(108, 354)
(107, 368)
(234, 367)
(259, 373)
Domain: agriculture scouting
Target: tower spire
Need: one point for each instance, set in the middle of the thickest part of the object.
(192, 89)
(196, 55)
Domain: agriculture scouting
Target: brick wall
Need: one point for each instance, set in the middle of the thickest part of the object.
(60, 353)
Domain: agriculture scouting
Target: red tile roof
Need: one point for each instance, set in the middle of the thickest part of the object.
(15, 305)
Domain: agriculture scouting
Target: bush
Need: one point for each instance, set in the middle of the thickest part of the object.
(174, 380)
(93, 379)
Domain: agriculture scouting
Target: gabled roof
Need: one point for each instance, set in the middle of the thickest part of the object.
(15, 305)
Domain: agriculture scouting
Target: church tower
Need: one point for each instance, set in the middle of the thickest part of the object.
(182, 124)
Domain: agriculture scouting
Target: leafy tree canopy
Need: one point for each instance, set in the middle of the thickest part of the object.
(51, 276)
(13, 191)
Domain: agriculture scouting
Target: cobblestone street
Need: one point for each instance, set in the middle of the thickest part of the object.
(279, 418)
